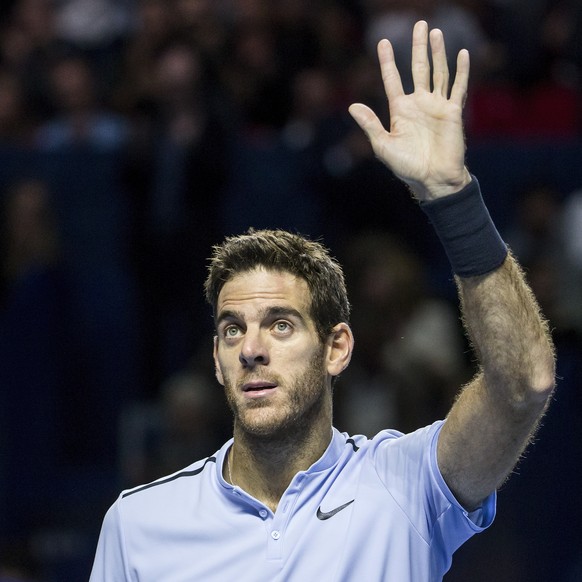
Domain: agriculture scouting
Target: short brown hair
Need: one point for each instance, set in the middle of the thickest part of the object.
(280, 250)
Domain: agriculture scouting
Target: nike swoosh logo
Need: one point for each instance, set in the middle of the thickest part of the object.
(323, 515)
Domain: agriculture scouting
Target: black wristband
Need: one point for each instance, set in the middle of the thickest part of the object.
(464, 226)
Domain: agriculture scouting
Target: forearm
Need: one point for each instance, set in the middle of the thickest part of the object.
(509, 335)
(496, 414)
(500, 313)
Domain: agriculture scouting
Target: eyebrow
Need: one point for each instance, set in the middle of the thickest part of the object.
(276, 311)
(228, 315)
(271, 312)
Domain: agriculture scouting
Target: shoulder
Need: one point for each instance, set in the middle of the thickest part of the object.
(194, 474)
(391, 451)
(402, 458)
(421, 440)
(418, 442)
(164, 503)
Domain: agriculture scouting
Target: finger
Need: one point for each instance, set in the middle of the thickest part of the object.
(459, 90)
(368, 121)
(389, 70)
(420, 64)
(440, 67)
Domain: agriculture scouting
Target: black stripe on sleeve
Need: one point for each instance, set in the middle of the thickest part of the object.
(171, 478)
(354, 445)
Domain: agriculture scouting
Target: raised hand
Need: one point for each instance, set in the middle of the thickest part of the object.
(425, 144)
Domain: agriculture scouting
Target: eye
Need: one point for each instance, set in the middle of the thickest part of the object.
(231, 331)
(282, 327)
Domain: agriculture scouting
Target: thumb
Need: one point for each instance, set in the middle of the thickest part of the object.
(367, 120)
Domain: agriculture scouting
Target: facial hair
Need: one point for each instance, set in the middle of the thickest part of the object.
(304, 399)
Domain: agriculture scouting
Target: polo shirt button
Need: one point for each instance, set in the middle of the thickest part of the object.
(263, 513)
(275, 534)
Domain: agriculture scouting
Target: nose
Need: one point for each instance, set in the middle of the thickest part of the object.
(253, 350)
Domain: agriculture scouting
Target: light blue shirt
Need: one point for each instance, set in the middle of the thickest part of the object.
(368, 509)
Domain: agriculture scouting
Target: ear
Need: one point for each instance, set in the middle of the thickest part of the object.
(340, 345)
(217, 370)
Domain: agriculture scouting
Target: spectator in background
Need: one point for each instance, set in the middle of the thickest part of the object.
(28, 43)
(279, 73)
(190, 421)
(408, 362)
(539, 38)
(16, 569)
(559, 39)
(393, 18)
(545, 237)
(160, 438)
(312, 106)
(570, 221)
(35, 19)
(81, 119)
(296, 38)
(535, 91)
(29, 239)
(203, 21)
(247, 12)
(92, 23)
(33, 375)
(253, 79)
(97, 29)
(313, 140)
(177, 161)
(339, 37)
(535, 233)
(16, 121)
(155, 24)
(262, 161)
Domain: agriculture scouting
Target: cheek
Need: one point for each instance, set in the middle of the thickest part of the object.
(218, 367)
(227, 367)
(218, 373)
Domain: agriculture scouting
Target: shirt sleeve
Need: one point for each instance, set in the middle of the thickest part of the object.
(110, 563)
(455, 524)
(407, 464)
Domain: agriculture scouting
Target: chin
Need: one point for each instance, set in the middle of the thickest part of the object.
(278, 424)
(264, 427)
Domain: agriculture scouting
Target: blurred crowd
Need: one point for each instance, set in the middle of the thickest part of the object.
(110, 72)
(135, 134)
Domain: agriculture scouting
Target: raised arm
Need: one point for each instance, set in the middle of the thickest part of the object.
(495, 415)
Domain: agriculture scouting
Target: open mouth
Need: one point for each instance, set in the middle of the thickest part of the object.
(258, 388)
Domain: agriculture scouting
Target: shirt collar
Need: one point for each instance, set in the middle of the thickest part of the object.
(329, 458)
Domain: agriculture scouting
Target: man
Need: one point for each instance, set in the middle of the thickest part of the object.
(291, 498)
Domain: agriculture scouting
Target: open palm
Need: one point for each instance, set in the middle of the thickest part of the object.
(425, 143)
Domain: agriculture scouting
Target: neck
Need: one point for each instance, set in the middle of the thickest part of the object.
(264, 467)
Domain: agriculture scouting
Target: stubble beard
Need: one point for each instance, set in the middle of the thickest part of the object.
(304, 401)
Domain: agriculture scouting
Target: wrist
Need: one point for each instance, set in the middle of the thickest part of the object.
(464, 226)
(426, 192)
